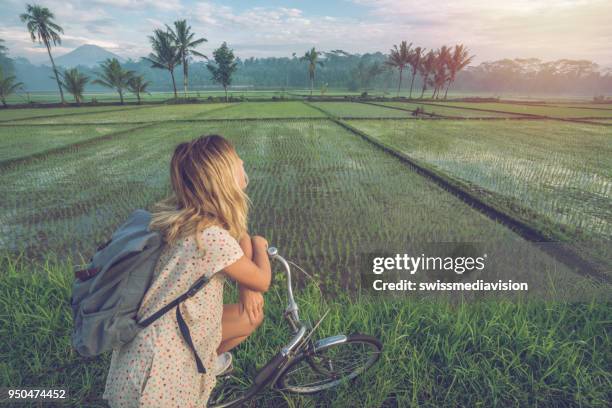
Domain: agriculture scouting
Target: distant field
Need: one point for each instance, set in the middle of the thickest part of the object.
(147, 114)
(17, 114)
(359, 110)
(53, 97)
(21, 141)
(255, 110)
(604, 121)
(552, 111)
(607, 106)
(564, 180)
(444, 111)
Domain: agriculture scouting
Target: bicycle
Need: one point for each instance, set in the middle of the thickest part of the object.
(290, 369)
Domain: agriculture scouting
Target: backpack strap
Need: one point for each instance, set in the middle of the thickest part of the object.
(179, 318)
(187, 336)
(192, 291)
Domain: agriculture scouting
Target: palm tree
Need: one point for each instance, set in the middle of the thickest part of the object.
(185, 43)
(398, 58)
(138, 85)
(312, 57)
(425, 68)
(114, 76)
(458, 60)
(414, 62)
(441, 65)
(40, 25)
(8, 86)
(165, 53)
(74, 82)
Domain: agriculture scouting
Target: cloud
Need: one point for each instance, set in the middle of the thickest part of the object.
(548, 29)
(164, 5)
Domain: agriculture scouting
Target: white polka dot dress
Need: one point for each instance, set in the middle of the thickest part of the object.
(157, 368)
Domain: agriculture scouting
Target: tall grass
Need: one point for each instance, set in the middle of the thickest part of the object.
(486, 353)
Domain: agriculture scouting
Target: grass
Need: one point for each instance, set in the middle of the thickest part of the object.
(564, 181)
(534, 353)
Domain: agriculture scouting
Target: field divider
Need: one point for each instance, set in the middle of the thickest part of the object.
(561, 251)
(63, 115)
(63, 149)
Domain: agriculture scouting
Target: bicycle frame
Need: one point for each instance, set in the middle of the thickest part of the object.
(271, 372)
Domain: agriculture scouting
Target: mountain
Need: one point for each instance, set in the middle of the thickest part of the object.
(89, 55)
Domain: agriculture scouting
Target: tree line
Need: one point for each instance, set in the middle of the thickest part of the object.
(174, 51)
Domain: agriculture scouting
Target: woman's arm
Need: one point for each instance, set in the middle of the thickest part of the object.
(255, 274)
(246, 245)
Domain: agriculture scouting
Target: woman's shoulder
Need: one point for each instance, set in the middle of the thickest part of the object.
(214, 232)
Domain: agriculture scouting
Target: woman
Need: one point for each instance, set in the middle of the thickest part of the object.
(205, 226)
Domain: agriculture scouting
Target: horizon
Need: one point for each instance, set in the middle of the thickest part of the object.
(270, 28)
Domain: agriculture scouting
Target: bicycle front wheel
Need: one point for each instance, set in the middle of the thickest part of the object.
(330, 364)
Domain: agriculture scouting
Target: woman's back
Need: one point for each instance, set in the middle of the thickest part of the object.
(158, 368)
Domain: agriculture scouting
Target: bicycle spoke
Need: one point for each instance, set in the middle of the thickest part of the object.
(331, 366)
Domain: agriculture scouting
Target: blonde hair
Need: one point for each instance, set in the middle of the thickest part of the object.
(205, 189)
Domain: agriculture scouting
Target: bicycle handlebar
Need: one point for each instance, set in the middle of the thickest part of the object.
(292, 307)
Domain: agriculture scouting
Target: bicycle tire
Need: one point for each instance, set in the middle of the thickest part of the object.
(284, 384)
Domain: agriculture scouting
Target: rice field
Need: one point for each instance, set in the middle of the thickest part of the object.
(539, 170)
(330, 200)
(359, 110)
(143, 115)
(22, 141)
(29, 113)
(549, 111)
(303, 174)
(263, 110)
(446, 111)
(203, 95)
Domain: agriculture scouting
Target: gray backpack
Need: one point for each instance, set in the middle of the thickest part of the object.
(107, 294)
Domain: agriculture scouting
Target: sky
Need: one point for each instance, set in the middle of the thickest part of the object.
(491, 29)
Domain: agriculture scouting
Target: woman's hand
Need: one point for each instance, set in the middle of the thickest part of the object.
(252, 302)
